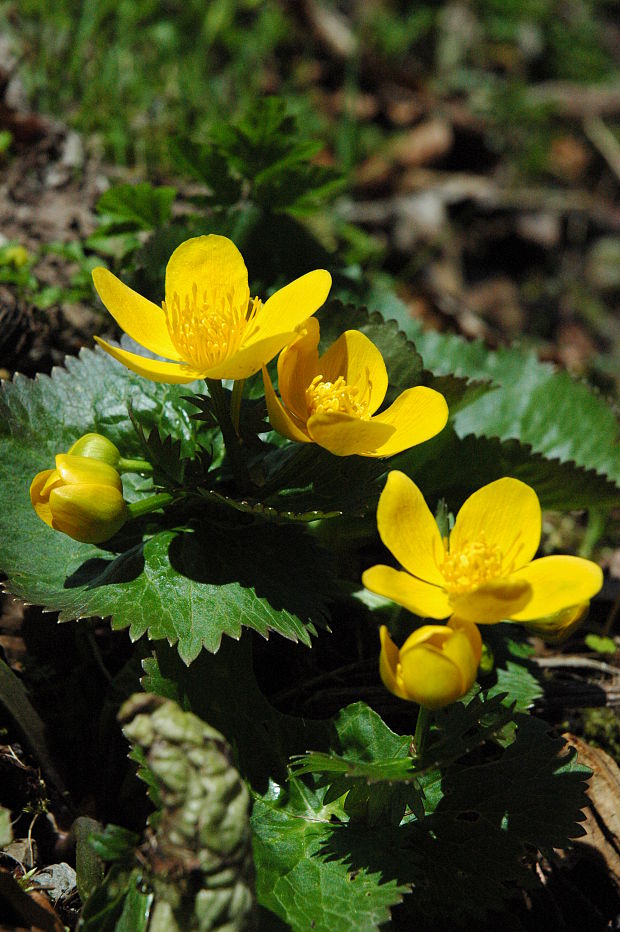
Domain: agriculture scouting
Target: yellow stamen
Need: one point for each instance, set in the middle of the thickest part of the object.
(324, 397)
(473, 565)
(208, 329)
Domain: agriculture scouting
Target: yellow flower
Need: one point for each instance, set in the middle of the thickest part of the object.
(82, 497)
(208, 325)
(436, 665)
(331, 399)
(485, 571)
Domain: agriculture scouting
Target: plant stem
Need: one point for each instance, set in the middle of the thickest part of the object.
(231, 440)
(421, 730)
(146, 505)
(597, 519)
(125, 465)
(235, 403)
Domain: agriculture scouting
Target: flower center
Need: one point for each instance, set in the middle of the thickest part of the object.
(209, 328)
(327, 397)
(473, 565)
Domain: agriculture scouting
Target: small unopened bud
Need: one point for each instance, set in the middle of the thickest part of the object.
(96, 447)
(81, 497)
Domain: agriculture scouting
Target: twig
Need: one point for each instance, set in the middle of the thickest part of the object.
(604, 141)
(575, 662)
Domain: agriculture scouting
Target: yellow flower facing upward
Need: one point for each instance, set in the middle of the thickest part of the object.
(485, 571)
(436, 665)
(331, 399)
(82, 497)
(208, 326)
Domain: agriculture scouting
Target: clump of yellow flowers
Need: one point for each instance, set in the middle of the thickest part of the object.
(483, 572)
(210, 327)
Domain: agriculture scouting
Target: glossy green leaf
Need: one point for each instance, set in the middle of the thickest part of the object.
(560, 417)
(452, 467)
(136, 206)
(304, 887)
(189, 585)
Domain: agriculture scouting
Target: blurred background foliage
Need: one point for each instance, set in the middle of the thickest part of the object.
(134, 73)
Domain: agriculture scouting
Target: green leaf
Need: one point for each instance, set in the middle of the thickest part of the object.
(559, 485)
(136, 206)
(163, 586)
(263, 738)
(119, 904)
(16, 703)
(208, 165)
(371, 768)
(298, 883)
(114, 843)
(6, 832)
(560, 418)
(153, 579)
(517, 678)
(466, 855)
(601, 644)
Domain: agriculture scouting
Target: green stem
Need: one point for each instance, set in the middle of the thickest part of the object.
(235, 403)
(125, 465)
(146, 505)
(421, 730)
(231, 441)
(597, 519)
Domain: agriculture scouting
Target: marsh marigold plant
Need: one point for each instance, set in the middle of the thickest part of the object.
(485, 570)
(209, 326)
(331, 399)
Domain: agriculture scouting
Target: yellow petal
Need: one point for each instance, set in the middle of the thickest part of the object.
(472, 634)
(493, 601)
(289, 307)
(415, 595)
(297, 366)
(506, 514)
(170, 372)
(417, 414)
(557, 582)
(91, 514)
(141, 319)
(278, 417)
(557, 627)
(388, 663)
(344, 434)
(39, 498)
(461, 650)
(215, 266)
(358, 360)
(248, 360)
(81, 470)
(429, 675)
(408, 529)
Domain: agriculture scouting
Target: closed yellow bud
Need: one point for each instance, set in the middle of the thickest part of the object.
(81, 497)
(436, 665)
(96, 447)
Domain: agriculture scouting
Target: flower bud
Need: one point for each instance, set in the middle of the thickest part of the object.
(96, 447)
(81, 497)
(436, 665)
